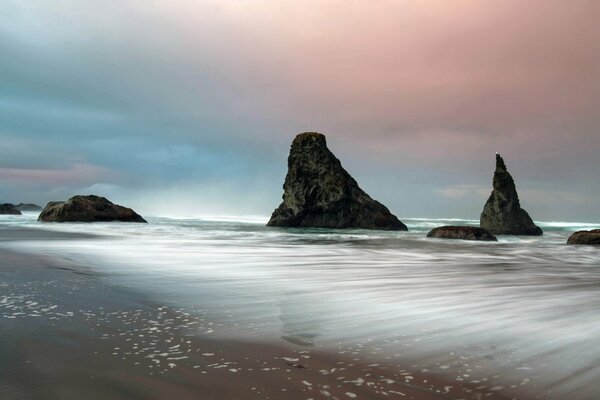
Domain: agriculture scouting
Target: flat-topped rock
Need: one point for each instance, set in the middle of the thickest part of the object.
(461, 232)
(28, 207)
(585, 237)
(318, 192)
(87, 209)
(502, 213)
(9, 209)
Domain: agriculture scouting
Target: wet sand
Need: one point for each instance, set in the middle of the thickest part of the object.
(66, 333)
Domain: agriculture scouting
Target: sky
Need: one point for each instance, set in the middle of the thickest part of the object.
(188, 108)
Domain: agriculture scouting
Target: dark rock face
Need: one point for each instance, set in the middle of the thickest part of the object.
(319, 193)
(502, 214)
(28, 207)
(9, 209)
(585, 237)
(87, 209)
(461, 232)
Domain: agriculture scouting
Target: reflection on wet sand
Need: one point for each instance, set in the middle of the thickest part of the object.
(295, 328)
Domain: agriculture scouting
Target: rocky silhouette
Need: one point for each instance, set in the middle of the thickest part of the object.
(87, 209)
(585, 237)
(9, 209)
(502, 214)
(28, 207)
(461, 232)
(318, 192)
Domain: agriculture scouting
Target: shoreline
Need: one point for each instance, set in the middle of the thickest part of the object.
(64, 328)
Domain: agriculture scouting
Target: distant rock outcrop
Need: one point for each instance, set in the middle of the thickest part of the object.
(9, 209)
(461, 232)
(318, 192)
(502, 214)
(585, 237)
(28, 207)
(87, 209)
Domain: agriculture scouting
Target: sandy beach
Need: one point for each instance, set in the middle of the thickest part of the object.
(67, 333)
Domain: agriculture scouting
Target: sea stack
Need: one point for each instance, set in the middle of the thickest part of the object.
(319, 193)
(87, 209)
(9, 209)
(502, 214)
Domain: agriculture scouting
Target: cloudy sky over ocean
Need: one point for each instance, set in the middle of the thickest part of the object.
(189, 107)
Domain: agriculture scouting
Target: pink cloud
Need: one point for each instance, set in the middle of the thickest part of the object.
(75, 174)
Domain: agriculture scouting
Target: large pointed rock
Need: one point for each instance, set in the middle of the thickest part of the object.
(87, 209)
(502, 214)
(318, 192)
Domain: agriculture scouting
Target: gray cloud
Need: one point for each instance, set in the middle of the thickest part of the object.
(198, 101)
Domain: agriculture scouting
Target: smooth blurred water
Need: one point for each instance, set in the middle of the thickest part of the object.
(523, 309)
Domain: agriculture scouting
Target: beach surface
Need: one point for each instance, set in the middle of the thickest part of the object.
(67, 334)
(228, 310)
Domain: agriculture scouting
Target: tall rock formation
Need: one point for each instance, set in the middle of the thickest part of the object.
(502, 214)
(87, 209)
(319, 193)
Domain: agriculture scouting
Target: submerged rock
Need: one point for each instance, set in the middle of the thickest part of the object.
(461, 232)
(87, 209)
(28, 207)
(502, 213)
(9, 209)
(318, 192)
(585, 237)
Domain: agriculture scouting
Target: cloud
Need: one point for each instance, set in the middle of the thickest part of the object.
(457, 192)
(74, 175)
(557, 198)
(415, 97)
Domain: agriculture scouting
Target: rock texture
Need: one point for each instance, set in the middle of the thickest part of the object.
(87, 209)
(28, 207)
(585, 237)
(8, 208)
(461, 232)
(318, 192)
(502, 214)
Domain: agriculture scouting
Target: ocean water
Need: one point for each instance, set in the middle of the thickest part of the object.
(521, 312)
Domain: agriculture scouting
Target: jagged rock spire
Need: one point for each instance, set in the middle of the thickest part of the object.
(500, 163)
(502, 213)
(318, 192)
